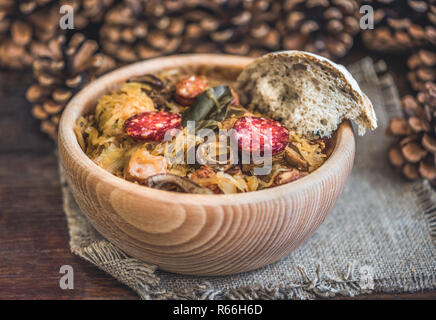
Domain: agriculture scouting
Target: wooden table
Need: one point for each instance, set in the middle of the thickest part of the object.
(33, 230)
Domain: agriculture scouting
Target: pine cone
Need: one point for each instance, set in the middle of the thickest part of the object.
(243, 27)
(414, 151)
(22, 24)
(60, 69)
(326, 27)
(422, 66)
(140, 29)
(400, 25)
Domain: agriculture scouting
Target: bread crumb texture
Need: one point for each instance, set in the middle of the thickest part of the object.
(309, 94)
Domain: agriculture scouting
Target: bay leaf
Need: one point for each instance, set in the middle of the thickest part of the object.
(212, 105)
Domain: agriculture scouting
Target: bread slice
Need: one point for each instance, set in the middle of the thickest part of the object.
(308, 93)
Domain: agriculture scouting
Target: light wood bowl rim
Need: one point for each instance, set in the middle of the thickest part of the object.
(345, 137)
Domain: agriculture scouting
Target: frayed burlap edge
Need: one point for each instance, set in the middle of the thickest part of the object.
(426, 200)
(141, 277)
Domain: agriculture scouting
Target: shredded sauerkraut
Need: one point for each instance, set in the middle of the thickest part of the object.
(102, 137)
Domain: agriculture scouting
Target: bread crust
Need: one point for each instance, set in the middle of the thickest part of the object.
(367, 118)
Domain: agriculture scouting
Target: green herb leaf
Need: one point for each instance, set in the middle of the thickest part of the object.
(210, 105)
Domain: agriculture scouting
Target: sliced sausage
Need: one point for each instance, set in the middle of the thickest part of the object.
(152, 126)
(258, 134)
(188, 89)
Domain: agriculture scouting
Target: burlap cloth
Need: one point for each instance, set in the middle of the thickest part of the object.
(380, 237)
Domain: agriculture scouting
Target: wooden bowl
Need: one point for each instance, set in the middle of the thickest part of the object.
(191, 233)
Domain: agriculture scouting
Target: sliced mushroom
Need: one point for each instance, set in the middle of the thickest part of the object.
(295, 159)
(234, 170)
(149, 79)
(155, 88)
(288, 176)
(328, 144)
(204, 172)
(277, 158)
(171, 182)
(212, 159)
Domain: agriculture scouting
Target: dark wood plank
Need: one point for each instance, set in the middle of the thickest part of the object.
(18, 129)
(33, 231)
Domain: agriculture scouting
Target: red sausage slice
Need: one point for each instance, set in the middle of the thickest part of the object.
(152, 126)
(188, 89)
(258, 134)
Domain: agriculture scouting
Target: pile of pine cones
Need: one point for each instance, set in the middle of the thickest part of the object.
(62, 62)
(61, 68)
(414, 151)
(409, 27)
(326, 27)
(406, 27)
(400, 25)
(111, 32)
